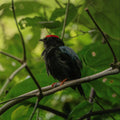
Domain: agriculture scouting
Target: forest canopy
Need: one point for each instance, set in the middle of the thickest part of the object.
(24, 23)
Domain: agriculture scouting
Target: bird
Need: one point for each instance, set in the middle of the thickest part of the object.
(61, 61)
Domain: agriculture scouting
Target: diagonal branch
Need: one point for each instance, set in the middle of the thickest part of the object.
(11, 77)
(49, 109)
(65, 20)
(91, 100)
(104, 109)
(53, 111)
(83, 80)
(27, 68)
(100, 113)
(92, 96)
(58, 3)
(11, 56)
(113, 53)
(47, 91)
(21, 36)
(16, 101)
(24, 50)
(35, 107)
(34, 79)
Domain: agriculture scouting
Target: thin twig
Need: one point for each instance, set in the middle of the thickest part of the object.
(33, 77)
(58, 3)
(24, 50)
(11, 56)
(37, 117)
(16, 101)
(91, 99)
(104, 109)
(35, 107)
(65, 20)
(92, 96)
(46, 88)
(100, 113)
(53, 111)
(43, 107)
(11, 77)
(21, 36)
(113, 53)
(27, 68)
(36, 93)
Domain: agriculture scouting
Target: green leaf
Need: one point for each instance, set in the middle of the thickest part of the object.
(97, 57)
(22, 8)
(38, 22)
(59, 14)
(23, 87)
(20, 112)
(80, 110)
(107, 16)
(29, 85)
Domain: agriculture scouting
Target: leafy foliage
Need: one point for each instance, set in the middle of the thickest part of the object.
(38, 18)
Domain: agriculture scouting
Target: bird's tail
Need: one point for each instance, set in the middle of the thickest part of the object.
(79, 87)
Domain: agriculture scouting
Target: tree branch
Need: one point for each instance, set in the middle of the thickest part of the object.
(35, 107)
(113, 53)
(11, 56)
(34, 79)
(58, 3)
(103, 109)
(24, 49)
(92, 96)
(43, 107)
(11, 77)
(21, 36)
(100, 113)
(49, 90)
(16, 101)
(65, 20)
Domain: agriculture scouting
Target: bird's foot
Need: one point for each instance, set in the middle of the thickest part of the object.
(54, 84)
(63, 81)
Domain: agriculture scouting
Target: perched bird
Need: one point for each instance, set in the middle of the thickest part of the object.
(61, 61)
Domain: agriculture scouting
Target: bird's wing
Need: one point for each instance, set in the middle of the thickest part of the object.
(68, 55)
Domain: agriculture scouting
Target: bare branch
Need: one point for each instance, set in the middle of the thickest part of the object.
(11, 77)
(11, 56)
(103, 109)
(35, 107)
(92, 96)
(49, 90)
(16, 101)
(113, 53)
(100, 113)
(65, 20)
(83, 80)
(52, 110)
(21, 36)
(43, 107)
(58, 3)
(24, 50)
(34, 79)
(27, 68)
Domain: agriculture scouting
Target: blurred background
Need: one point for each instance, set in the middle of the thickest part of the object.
(38, 18)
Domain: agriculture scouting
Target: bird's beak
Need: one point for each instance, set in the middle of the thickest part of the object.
(41, 40)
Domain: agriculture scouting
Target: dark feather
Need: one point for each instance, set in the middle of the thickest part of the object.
(61, 61)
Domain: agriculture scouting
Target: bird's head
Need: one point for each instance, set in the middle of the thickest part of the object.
(52, 41)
